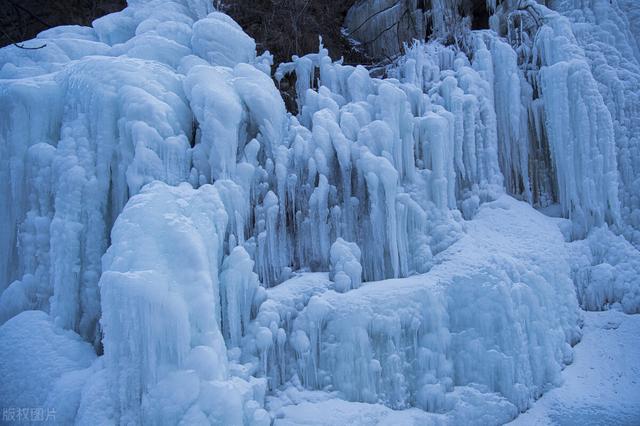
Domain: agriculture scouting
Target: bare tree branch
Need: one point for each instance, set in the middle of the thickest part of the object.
(21, 46)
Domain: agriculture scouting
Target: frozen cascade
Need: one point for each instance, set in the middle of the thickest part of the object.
(421, 346)
(607, 32)
(584, 155)
(561, 94)
(386, 134)
(250, 252)
(100, 148)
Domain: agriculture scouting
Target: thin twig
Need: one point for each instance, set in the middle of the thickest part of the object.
(15, 43)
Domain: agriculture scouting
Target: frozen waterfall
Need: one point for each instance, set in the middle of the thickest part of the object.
(180, 249)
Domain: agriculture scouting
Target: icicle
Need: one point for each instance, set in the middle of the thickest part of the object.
(238, 284)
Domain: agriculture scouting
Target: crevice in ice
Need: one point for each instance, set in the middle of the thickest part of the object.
(480, 14)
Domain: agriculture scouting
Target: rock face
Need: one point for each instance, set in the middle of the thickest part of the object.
(22, 19)
(292, 27)
(361, 31)
(382, 26)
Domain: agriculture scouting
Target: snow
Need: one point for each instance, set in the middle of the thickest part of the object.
(57, 363)
(219, 40)
(177, 247)
(601, 385)
(349, 413)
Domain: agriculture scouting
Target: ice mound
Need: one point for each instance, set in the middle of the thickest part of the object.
(346, 270)
(605, 270)
(161, 310)
(43, 366)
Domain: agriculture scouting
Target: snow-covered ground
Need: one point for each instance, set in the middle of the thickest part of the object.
(602, 385)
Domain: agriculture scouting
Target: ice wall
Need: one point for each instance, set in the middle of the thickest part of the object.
(69, 163)
(400, 155)
(608, 34)
(578, 126)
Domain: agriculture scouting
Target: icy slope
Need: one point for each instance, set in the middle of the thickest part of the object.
(56, 362)
(601, 386)
(220, 254)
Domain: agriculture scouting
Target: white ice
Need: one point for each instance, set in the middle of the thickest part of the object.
(177, 247)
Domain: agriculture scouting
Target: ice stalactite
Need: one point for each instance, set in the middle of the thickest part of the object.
(462, 93)
(346, 270)
(605, 32)
(125, 134)
(511, 98)
(238, 285)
